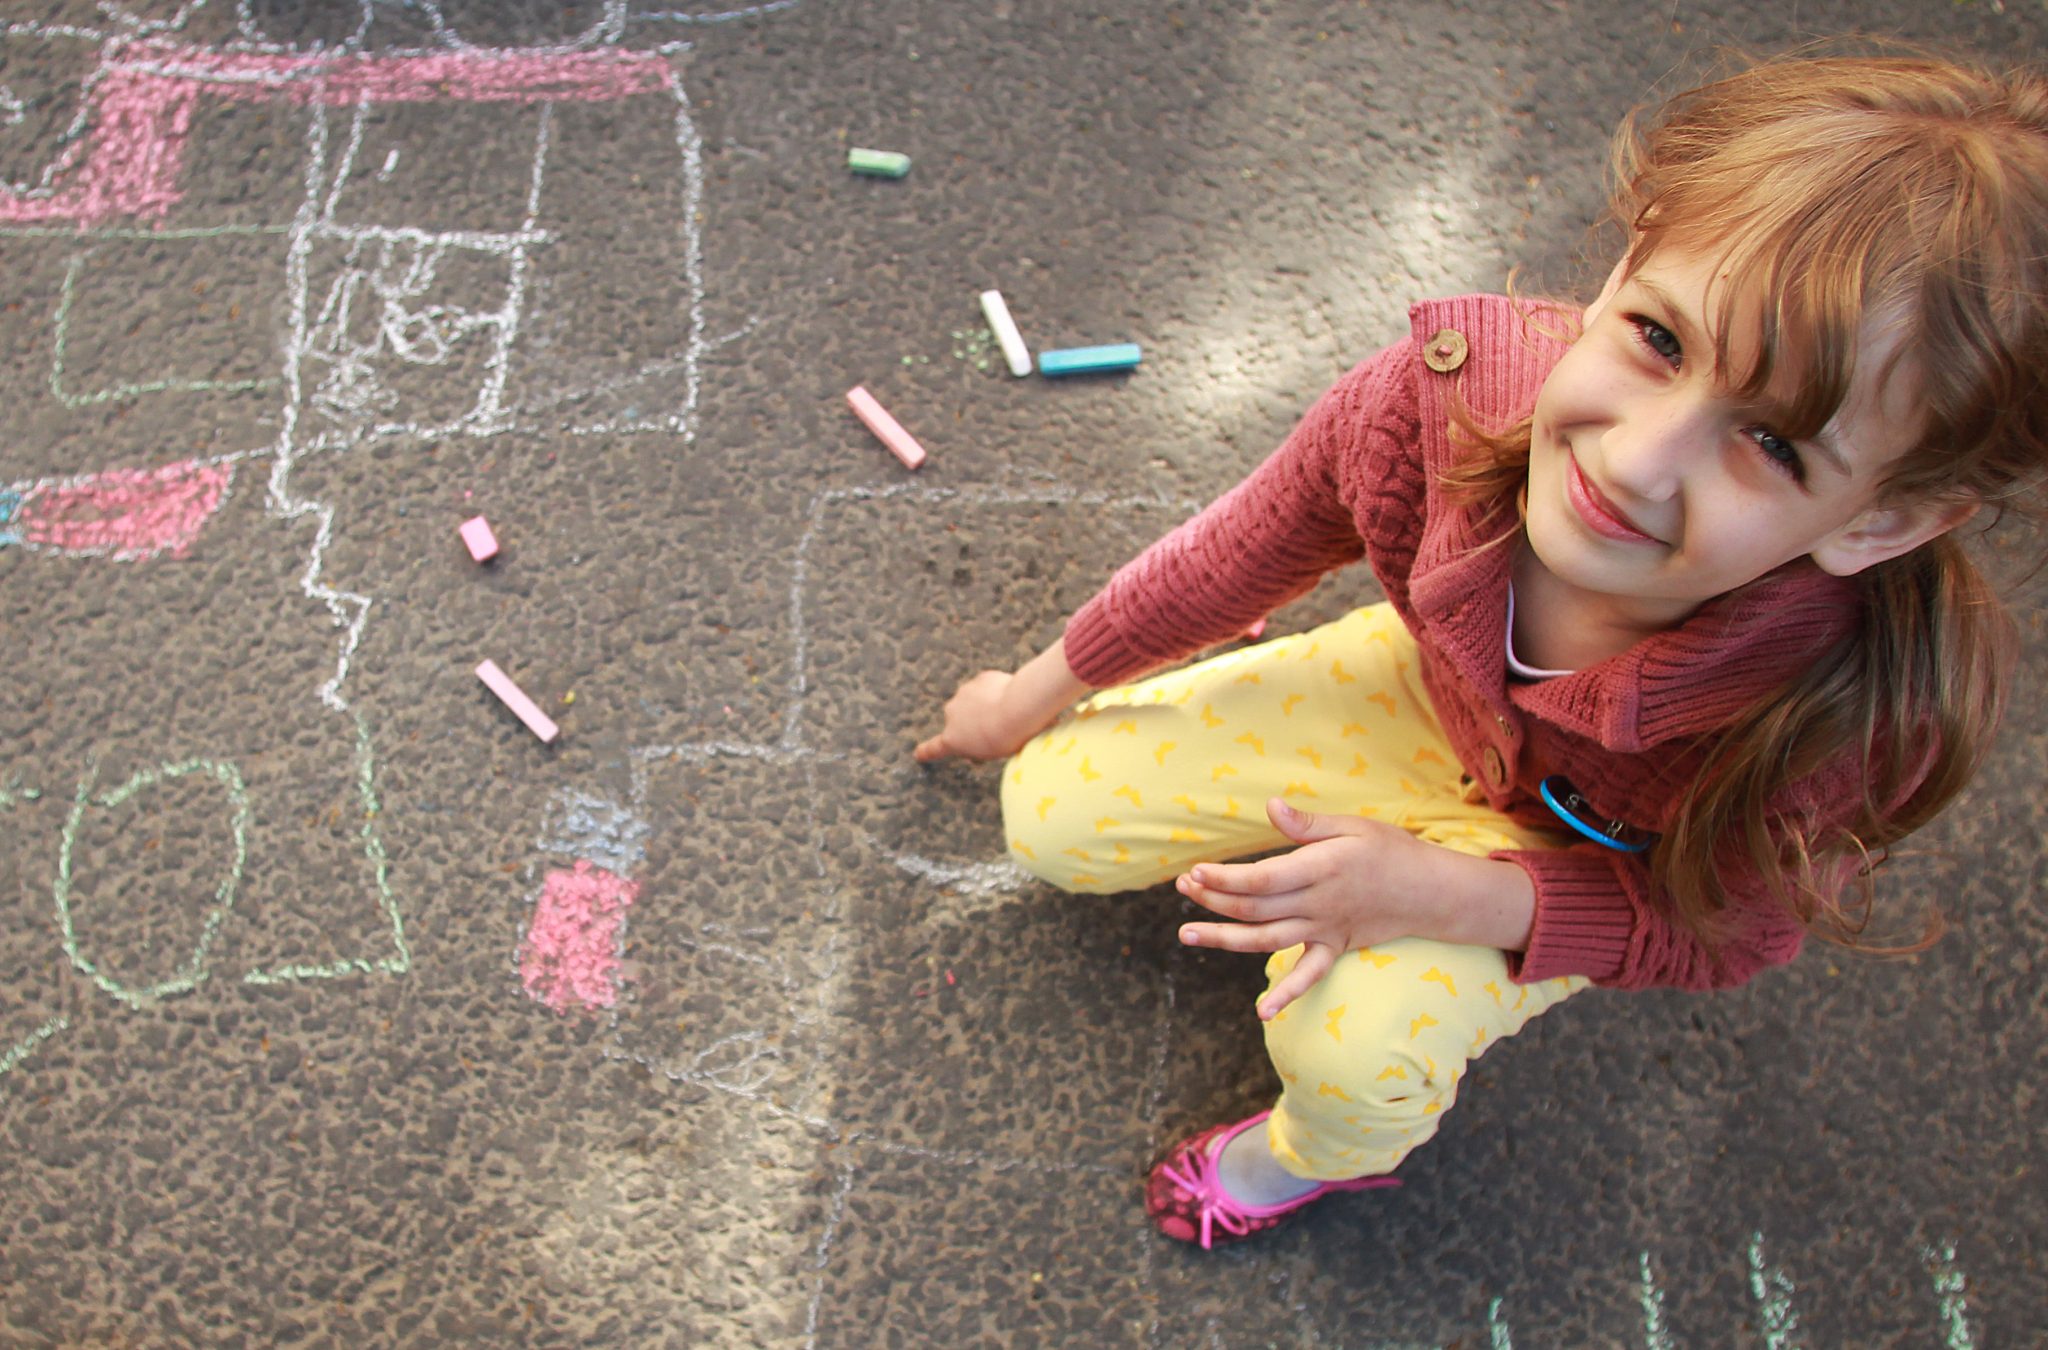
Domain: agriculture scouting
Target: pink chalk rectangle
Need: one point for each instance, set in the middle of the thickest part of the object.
(886, 428)
(570, 955)
(476, 532)
(514, 698)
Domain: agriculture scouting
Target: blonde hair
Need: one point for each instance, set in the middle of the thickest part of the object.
(1838, 188)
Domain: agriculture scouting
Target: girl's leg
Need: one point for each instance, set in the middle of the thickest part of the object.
(1371, 1057)
(1147, 779)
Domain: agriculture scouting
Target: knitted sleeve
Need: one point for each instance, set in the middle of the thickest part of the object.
(1598, 916)
(1265, 542)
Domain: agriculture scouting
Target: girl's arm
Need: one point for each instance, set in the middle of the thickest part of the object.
(1354, 883)
(994, 713)
(1263, 543)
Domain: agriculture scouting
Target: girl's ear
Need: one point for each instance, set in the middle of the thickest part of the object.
(1886, 532)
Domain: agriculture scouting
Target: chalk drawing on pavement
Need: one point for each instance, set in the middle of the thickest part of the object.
(362, 298)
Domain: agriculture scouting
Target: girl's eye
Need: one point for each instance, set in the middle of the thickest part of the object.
(1778, 452)
(1663, 344)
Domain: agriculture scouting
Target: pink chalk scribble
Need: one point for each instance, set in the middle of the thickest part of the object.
(570, 955)
(144, 95)
(120, 514)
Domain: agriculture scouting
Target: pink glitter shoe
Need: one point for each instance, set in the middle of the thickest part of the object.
(1185, 1195)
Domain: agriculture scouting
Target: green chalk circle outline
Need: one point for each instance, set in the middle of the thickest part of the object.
(189, 975)
(398, 962)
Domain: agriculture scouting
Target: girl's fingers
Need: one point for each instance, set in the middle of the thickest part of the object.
(1316, 960)
(1270, 877)
(1245, 937)
(1231, 904)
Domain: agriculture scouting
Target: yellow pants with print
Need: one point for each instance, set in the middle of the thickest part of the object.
(1146, 780)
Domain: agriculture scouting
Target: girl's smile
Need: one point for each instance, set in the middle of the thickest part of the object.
(1598, 510)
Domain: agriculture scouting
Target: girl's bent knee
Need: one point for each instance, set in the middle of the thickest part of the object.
(1034, 844)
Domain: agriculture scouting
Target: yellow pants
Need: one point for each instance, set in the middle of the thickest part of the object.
(1146, 780)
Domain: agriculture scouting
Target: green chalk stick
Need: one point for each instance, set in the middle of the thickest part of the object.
(878, 163)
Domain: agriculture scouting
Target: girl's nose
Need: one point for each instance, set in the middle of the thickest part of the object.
(1648, 447)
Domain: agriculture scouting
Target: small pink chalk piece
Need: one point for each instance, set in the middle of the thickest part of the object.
(886, 428)
(1256, 631)
(476, 532)
(510, 694)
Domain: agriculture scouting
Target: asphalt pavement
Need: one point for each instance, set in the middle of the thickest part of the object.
(339, 1008)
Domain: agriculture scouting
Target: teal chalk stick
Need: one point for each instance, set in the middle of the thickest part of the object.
(1089, 360)
(878, 163)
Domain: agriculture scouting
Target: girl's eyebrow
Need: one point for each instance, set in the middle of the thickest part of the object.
(1680, 322)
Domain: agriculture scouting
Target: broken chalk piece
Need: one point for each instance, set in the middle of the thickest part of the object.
(1007, 337)
(878, 163)
(1088, 360)
(886, 428)
(1256, 631)
(476, 532)
(538, 722)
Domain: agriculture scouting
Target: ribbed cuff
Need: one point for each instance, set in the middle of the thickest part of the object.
(1095, 653)
(1584, 922)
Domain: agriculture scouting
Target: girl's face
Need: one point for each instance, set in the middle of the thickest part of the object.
(1654, 488)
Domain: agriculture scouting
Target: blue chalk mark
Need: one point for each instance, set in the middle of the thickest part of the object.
(10, 507)
(1088, 360)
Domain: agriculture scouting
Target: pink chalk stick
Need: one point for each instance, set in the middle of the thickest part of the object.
(886, 428)
(1256, 631)
(476, 532)
(510, 694)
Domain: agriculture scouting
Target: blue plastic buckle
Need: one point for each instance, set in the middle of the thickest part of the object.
(1574, 810)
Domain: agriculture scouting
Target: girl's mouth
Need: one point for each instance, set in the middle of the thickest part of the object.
(1601, 516)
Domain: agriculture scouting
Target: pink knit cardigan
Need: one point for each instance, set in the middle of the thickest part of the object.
(1359, 478)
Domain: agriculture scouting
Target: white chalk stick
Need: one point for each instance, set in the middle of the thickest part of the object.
(886, 428)
(476, 533)
(514, 698)
(1007, 336)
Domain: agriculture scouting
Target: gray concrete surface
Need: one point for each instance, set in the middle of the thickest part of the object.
(270, 1072)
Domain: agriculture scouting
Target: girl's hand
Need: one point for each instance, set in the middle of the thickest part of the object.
(1353, 883)
(995, 713)
(978, 725)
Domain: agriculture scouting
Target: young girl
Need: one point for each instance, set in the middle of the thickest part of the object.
(1676, 641)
